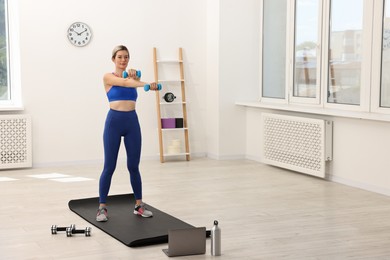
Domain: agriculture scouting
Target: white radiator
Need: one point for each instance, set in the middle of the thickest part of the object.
(297, 143)
(15, 141)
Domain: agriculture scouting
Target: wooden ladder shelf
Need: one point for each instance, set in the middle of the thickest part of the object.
(177, 130)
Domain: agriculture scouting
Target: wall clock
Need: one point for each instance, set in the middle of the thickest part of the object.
(79, 34)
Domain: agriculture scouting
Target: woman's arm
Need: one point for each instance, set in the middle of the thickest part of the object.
(110, 79)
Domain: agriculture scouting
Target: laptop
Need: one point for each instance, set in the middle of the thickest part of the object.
(187, 241)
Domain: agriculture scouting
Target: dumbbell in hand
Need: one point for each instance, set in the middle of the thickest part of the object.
(125, 74)
(86, 231)
(55, 229)
(147, 87)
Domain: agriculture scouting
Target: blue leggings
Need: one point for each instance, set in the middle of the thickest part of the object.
(120, 124)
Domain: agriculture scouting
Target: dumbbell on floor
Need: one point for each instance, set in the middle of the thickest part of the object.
(86, 231)
(125, 74)
(55, 229)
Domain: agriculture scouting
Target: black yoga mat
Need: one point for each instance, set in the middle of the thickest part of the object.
(130, 229)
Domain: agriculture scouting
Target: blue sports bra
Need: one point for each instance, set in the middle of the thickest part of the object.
(122, 93)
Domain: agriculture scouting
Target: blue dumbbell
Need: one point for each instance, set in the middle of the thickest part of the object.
(125, 74)
(147, 87)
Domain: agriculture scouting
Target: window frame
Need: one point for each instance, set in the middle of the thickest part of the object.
(371, 66)
(366, 63)
(13, 56)
(268, 99)
(376, 69)
(291, 80)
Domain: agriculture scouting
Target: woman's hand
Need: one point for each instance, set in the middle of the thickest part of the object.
(133, 74)
(153, 86)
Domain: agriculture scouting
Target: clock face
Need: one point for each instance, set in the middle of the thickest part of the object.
(79, 34)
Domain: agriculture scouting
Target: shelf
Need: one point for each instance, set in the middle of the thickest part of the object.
(170, 80)
(173, 103)
(177, 82)
(176, 154)
(174, 129)
(169, 61)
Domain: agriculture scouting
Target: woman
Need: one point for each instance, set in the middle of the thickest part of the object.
(121, 121)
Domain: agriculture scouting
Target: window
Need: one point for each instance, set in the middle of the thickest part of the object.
(385, 75)
(274, 49)
(10, 87)
(345, 52)
(306, 51)
(335, 55)
(5, 91)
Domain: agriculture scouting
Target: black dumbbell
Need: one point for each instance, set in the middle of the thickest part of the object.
(169, 97)
(86, 231)
(55, 229)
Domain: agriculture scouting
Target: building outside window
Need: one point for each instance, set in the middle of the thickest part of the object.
(5, 91)
(345, 52)
(306, 52)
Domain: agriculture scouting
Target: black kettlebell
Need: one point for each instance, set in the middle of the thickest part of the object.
(169, 97)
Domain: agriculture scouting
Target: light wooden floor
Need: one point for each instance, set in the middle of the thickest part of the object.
(264, 212)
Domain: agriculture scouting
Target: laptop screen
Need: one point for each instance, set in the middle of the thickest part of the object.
(188, 241)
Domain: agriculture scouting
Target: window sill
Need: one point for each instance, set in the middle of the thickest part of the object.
(318, 111)
(10, 107)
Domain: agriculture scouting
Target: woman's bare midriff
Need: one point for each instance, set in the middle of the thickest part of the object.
(123, 105)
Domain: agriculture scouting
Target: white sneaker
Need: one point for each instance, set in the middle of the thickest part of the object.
(142, 211)
(102, 215)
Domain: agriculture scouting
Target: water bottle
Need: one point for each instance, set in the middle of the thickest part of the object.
(215, 239)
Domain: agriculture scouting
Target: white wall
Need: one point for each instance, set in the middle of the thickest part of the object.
(212, 94)
(62, 84)
(239, 66)
(360, 152)
(233, 66)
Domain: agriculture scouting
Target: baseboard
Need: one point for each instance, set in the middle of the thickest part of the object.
(225, 157)
(100, 162)
(253, 158)
(348, 182)
(363, 186)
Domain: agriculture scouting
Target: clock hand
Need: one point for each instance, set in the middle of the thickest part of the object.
(83, 32)
(77, 32)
